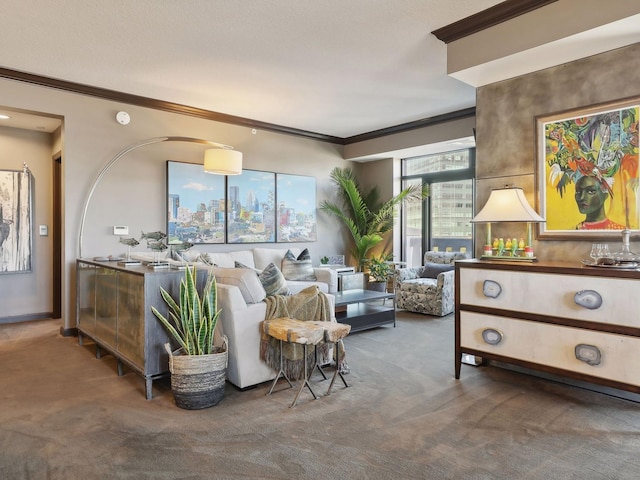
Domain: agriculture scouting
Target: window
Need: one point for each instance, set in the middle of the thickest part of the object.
(442, 220)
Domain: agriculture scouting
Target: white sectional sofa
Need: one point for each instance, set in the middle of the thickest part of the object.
(240, 299)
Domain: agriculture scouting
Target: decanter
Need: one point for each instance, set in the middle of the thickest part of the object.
(625, 255)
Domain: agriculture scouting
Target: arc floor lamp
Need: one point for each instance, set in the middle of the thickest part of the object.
(220, 160)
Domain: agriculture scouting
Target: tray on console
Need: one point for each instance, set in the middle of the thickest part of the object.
(619, 266)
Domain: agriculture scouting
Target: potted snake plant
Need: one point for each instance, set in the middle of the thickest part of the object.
(198, 368)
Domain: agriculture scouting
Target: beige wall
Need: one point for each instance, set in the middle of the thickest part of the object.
(505, 118)
(132, 193)
(380, 173)
(30, 292)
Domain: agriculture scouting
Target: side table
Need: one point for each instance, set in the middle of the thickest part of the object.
(293, 331)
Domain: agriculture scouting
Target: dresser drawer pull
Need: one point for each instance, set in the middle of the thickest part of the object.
(492, 336)
(491, 289)
(588, 299)
(589, 354)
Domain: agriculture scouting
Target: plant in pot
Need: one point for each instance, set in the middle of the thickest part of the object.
(363, 212)
(198, 368)
(379, 271)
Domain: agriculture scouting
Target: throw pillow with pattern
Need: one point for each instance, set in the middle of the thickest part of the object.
(273, 281)
(238, 264)
(298, 268)
(205, 258)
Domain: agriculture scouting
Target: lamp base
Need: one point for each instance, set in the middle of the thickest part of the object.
(509, 258)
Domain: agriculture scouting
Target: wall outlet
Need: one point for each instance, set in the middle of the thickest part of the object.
(120, 230)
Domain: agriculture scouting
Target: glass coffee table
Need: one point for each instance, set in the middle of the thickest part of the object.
(363, 309)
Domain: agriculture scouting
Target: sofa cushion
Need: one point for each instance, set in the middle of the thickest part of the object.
(431, 270)
(243, 256)
(264, 256)
(296, 286)
(245, 279)
(273, 281)
(298, 268)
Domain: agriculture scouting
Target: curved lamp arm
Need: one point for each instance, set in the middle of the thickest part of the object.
(122, 153)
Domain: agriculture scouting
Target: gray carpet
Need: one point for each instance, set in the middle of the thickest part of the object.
(66, 415)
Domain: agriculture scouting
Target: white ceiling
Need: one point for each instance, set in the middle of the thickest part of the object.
(334, 67)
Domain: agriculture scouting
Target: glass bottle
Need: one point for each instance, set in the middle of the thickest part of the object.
(625, 255)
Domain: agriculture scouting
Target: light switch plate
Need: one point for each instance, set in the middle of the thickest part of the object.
(44, 230)
(120, 230)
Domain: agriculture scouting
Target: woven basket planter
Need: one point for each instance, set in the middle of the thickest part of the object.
(197, 381)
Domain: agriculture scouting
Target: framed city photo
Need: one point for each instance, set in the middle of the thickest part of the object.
(251, 214)
(587, 171)
(296, 196)
(195, 204)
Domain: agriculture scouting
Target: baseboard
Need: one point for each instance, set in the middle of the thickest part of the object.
(26, 318)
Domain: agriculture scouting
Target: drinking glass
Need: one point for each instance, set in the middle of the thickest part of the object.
(604, 251)
(595, 252)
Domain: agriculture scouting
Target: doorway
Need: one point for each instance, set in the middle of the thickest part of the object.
(56, 227)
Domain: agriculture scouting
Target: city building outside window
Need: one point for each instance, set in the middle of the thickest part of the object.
(442, 220)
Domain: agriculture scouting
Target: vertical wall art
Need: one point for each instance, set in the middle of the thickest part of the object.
(296, 197)
(195, 204)
(251, 207)
(588, 170)
(15, 221)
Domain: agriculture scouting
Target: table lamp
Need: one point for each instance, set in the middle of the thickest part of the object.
(508, 204)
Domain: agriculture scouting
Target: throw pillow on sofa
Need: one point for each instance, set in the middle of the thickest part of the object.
(431, 270)
(245, 279)
(298, 268)
(242, 265)
(273, 281)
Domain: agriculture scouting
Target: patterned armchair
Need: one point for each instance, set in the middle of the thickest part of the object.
(433, 296)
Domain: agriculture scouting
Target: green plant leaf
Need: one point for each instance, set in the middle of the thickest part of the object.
(193, 318)
(366, 217)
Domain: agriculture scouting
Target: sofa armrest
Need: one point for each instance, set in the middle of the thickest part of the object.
(407, 273)
(230, 298)
(241, 323)
(446, 280)
(328, 276)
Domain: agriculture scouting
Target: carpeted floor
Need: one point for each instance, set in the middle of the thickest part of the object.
(66, 415)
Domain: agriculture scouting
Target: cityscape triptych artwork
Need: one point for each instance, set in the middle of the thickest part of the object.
(254, 207)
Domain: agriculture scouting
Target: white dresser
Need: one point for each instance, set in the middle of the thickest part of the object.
(564, 319)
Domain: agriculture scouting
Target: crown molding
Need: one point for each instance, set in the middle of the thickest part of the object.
(487, 18)
(222, 117)
(405, 127)
(171, 107)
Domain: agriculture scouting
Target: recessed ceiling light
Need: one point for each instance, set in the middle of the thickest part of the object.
(4, 117)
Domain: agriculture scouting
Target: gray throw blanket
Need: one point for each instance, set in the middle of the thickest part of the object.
(309, 304)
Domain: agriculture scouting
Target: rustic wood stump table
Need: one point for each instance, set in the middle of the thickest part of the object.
(294, 331)
(333, 333)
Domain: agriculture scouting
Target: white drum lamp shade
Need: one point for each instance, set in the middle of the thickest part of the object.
(223, 161)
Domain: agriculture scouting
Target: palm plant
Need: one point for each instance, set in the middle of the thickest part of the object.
(193, 319)
(364, 214)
